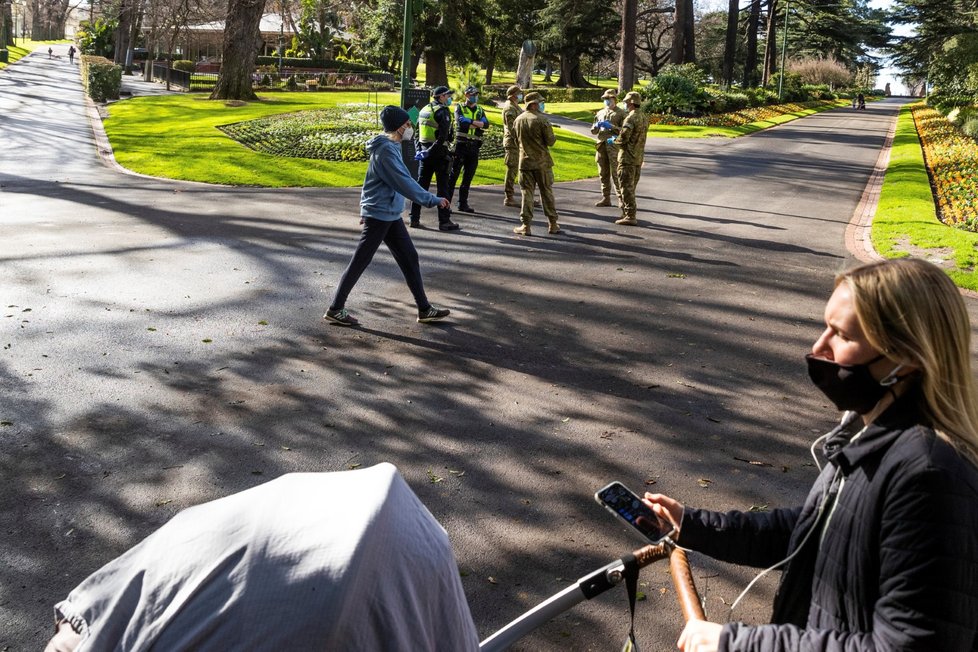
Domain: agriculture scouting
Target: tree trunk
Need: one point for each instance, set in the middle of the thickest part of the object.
(750, 63)
(682, 34)
(524, 70)
(490, 59)
(435, 68)
(626, 61)
(242, 40)
(7, 19)
(730, 47)
(571, 74)
(771, 43)
(548, 71)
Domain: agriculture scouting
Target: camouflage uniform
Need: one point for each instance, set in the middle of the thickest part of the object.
(511, 109)
(631, 155)
(535, 137)
(606, 154)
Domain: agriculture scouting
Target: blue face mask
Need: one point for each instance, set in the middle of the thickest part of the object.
(607, 102)
(519, 97)
(543, 106)
(474, 99)
(448, 101)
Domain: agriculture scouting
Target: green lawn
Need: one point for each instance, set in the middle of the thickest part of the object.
(176, 137)
(906, 219)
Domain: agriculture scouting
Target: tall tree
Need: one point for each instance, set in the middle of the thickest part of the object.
(683, 43)
(750, 59)
(626, 60)
(653, 35)
(242, 40)
(572, 29)
(730, 43)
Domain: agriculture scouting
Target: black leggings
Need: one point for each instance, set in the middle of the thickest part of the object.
(395, 236)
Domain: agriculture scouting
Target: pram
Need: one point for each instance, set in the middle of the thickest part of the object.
(317, 561)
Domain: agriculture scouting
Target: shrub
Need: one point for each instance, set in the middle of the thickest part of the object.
(184, 65)
(101, 78)
(677, 91)
(761, 96)
(304, 62)
(817, 92)
(816, 70)
(291, 84)
(970, 127)
(791, 89)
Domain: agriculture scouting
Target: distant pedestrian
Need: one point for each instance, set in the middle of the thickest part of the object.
(50, 53)
(607, 125)
(470, 122)
(71, 54)
(535, 136)
(381, 203)
(631, 156)
(511, 156)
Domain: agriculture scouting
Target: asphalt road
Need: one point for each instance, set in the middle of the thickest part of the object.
(162, 345)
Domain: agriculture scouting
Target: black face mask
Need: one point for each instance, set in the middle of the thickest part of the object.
(849, 387)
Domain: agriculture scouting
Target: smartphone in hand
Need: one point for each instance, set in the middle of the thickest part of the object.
(623, 503)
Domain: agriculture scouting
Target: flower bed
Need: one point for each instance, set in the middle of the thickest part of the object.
(952, 162)
(737, 118)
(339, 134)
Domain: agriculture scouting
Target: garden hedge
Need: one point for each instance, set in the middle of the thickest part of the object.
(101, 78)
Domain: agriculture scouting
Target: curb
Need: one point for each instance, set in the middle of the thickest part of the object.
(859, 240)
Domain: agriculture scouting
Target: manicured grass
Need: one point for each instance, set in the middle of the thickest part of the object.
(176, 137)
(906, 219)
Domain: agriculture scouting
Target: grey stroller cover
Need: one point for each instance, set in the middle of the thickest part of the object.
(310, 561)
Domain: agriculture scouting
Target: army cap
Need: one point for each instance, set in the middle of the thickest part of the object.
(632, 97)
(442, 90)
(513, 90)
(532, 98)
(610, 94)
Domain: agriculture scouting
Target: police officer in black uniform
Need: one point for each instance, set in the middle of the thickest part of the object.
(470, 121)
(434, 134)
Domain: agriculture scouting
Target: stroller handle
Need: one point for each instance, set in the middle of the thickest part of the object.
(597, 583)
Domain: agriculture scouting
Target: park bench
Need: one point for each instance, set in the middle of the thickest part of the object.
(312, 84)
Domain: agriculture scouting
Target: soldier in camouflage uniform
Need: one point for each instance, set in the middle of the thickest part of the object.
(511, 109)
(631, 155)
(535, 136)
(606, 127)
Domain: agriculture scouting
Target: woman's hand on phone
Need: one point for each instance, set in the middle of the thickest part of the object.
(667, 509)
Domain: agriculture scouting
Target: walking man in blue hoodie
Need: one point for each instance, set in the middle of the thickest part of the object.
(381, 202)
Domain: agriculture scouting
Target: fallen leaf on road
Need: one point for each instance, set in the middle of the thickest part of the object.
(160, 503)
(704, 482)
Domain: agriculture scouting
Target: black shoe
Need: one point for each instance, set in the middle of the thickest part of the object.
(466, 209)
(448, 226)
(433, 313)
(415, 224)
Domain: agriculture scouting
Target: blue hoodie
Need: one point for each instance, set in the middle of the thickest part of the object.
(388, 182)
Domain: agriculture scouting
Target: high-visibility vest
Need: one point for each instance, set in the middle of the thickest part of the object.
(472, 113)
(427, 125)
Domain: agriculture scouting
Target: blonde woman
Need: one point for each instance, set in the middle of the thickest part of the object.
(883, 555)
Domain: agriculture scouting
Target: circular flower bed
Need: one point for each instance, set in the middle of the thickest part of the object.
(338, 134)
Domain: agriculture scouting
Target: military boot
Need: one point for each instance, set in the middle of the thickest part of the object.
(627, 221)
(523, 229)
(604, 202)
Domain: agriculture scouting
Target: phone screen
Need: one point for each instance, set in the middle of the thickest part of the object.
(626, 505)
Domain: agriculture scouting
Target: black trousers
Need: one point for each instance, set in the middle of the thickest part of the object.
(439, 165)
(466, 162)
(395, 236)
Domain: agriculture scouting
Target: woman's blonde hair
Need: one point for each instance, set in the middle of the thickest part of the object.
(911, 311)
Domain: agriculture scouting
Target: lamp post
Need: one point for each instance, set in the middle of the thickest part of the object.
(406, 49)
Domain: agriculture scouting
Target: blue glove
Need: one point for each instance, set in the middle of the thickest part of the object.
(465, 121)
(422, 155)
(604, 124)
(485, 121)
(611, 140)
